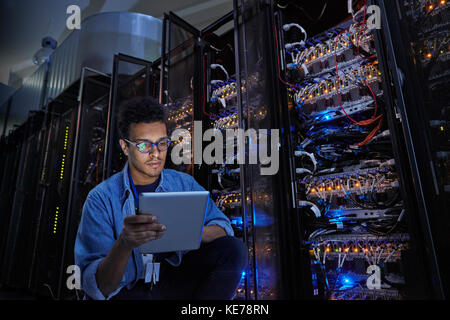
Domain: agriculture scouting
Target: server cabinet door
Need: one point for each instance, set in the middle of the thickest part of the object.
(87, 167)
(131, 77)
(12, 150)
(18, 248)
(181, 85)
(52, 200)
(265, 190)
(418, 46)
(220, 112)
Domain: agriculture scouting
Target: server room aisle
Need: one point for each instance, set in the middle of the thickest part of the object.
(14, 294)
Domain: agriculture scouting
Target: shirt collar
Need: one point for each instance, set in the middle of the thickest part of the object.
(126, 182)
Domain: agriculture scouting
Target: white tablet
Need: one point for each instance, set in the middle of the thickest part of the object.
(183, 213)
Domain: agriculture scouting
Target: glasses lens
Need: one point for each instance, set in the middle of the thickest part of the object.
(144, 146)
(163, 145)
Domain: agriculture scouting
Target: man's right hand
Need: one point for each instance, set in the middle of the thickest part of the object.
(140, 229)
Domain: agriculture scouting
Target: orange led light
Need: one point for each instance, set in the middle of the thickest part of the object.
(442, 2)
(355, 250)
(429, 55)
(430, 7)
(313, 190)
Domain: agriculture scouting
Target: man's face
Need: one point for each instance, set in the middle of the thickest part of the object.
(147, 164)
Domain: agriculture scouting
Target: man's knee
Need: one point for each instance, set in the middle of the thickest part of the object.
(234, 250)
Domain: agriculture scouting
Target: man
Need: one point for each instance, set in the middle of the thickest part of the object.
(110, 231)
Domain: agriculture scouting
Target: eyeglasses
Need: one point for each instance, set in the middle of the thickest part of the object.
(147, 146)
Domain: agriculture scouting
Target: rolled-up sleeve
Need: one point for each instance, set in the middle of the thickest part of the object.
(214, 216)
(95, 237)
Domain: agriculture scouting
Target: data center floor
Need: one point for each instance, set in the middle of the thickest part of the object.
(14, 294)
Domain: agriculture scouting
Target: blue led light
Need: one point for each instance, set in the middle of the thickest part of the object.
(347, 283)
(237, 221)
(262, 219)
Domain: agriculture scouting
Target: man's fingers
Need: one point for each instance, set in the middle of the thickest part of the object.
(148, 236)
(140, 229)
(146, 227)
(140, 218)
(143, 234)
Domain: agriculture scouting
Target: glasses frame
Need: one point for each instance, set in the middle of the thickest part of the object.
(153, 144)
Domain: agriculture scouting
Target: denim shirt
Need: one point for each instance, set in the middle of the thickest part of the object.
(102, 221)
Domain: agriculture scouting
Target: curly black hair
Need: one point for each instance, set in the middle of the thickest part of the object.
(137, 110)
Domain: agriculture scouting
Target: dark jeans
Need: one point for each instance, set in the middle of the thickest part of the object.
(212, 272)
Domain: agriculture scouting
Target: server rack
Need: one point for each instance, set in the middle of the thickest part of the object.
(221, 112)
(87, 167)
(189, 54)
(52, 195)
(19, 220)
(405, 252)
(239, 99)
(11, 154)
